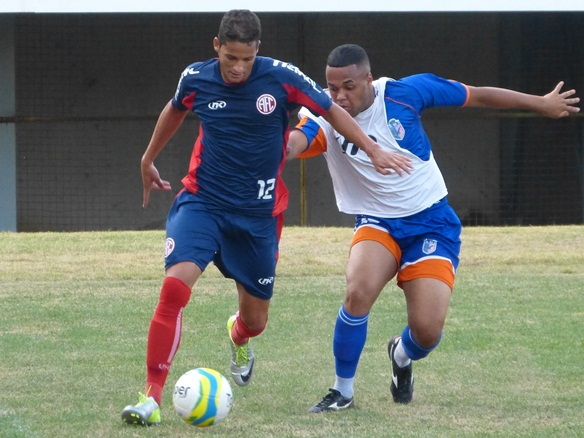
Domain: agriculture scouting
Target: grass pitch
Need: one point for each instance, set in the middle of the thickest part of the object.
(75, 309)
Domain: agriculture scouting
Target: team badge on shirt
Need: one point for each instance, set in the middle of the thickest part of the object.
(266, 104)
(396, 129)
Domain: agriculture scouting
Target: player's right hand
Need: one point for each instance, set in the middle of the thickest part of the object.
(151, 180)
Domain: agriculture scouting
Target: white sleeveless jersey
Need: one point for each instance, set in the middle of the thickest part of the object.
(358, 187)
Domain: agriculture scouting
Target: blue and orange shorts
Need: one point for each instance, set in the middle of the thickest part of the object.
(425, 245)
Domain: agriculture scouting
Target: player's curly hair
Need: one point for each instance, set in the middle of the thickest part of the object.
(348, 54)
(240, 25)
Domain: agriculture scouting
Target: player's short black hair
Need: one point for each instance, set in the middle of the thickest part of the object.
(348, 54)
(240, 25)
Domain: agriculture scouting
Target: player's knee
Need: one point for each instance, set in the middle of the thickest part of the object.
(359, 297)
(256, 329)
(357, 304)
(252, 327)
(357, 284)
(426, 336)
(417, 348)
(174, 294)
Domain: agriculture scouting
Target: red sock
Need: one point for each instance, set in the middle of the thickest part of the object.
(164, 334)
(240, 333)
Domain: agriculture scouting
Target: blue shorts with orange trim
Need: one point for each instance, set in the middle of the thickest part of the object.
(425, 245)
(244, 248)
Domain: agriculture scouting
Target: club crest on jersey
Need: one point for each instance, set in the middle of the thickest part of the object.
(429, 246)
(266, 104)
(168, 247)
(396, 129)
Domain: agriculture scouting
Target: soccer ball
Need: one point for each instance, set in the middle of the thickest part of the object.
(202, 397)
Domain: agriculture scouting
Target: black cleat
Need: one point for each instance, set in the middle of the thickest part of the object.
(333, 401)
(402, 379)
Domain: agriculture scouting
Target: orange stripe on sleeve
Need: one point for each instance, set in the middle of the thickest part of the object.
(318, 144)
(467, 95)
(467, 92)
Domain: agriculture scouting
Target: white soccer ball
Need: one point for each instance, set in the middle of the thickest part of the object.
(202, 397)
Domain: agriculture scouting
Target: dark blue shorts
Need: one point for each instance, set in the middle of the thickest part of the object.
(244, 248)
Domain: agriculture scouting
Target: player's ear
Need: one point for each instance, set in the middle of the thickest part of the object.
(258, 46)
(216, 44)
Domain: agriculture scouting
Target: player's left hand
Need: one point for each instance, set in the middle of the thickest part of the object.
(559, 104)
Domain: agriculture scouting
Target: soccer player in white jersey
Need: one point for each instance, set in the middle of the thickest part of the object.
(404, 224)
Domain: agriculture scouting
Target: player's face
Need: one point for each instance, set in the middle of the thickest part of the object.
(235, 59)
(351, 88)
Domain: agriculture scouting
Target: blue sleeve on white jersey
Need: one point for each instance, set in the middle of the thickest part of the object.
(433, 91)
(407, 98)
(309, 129)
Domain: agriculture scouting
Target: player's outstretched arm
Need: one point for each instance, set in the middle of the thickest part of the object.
(169, 121)
(555, 104)
(384, 161)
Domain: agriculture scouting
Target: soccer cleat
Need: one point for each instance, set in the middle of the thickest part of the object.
(145, 413)
(333, 401)
(242, 358)
(402, 379)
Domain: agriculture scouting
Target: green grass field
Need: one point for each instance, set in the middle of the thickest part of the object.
(75, 309)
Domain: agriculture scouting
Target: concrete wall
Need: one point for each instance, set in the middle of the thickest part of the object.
(7, 130)
(90, 86)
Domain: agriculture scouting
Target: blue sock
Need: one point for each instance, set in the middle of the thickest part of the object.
(414, 350)
(349, 340)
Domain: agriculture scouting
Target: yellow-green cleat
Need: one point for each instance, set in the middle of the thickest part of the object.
(145, 413)
(242, 358)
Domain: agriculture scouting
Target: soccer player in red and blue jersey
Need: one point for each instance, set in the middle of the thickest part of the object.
(230, 210)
